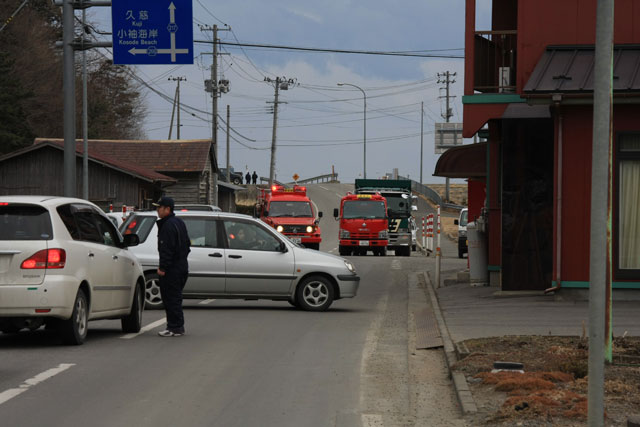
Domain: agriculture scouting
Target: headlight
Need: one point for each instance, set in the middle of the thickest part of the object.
(309, 229)
(462, 233)
(349, 266)
(384, 234)
(279, 229)
(343, 234)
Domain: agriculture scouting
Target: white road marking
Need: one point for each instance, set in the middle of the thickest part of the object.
(13, 392)
(396, 264)
(324, 188)
(145, 329)
(334, 249)
(339, 195)
(371, 420)
(207, 301)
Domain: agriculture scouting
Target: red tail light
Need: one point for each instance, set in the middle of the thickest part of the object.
(46, 258)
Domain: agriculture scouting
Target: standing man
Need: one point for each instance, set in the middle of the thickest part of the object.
(254, 177)
(173, 247)
(248, 178)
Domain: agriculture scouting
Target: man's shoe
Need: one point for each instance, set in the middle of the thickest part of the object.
(168, 333)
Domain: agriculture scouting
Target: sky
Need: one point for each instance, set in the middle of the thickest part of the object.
(320, 125)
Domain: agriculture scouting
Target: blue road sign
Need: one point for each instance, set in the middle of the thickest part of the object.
(152, 31)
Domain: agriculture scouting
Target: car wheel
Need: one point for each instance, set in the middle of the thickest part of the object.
(344, 251)
(132, 323)
(74, 330)
(236, 181)
(152, 296)
(293, 302)
(315, 293)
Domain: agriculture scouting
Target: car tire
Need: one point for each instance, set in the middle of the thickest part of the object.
(413, 248)
(344, 251)
(152, 296)
(315, 293)
(293, 302)
(132, 322)
(236, 181)
(73, 331)
(315, 246)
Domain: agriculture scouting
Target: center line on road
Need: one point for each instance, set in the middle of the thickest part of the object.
(324, 188)
(145, 329)
(339, 195)
(13, 392)
(207, 301)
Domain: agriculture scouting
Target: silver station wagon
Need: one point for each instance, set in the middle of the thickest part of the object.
(237, 256)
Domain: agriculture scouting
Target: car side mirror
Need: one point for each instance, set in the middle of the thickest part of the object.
(283, 248)
(320, 214)
(455, 222)
(265, 212)
(131, 240)
(336, 212)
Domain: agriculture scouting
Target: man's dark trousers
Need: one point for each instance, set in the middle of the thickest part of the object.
(171, 286)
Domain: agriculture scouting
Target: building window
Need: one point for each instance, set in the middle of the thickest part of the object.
(628, 174)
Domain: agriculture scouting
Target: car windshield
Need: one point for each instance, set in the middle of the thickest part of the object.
(363, 209)
(464, 218)
(25, 222)
(140, 225)
(290, 209)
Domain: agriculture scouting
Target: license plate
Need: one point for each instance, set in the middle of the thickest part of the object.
(364, 243)
(296, 239)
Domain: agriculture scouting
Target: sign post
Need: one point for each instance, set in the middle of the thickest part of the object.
(152, 31)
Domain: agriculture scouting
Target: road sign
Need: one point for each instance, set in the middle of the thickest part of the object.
(447, 135)
(152, 31)
(295, 176)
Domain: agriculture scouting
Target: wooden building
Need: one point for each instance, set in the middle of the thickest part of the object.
(529, 80)
(38, 170)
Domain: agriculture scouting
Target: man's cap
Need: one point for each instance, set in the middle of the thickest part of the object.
(165, 201)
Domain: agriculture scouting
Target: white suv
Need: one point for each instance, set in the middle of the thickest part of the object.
(63, 263)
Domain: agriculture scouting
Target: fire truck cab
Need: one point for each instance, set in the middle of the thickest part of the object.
(291, 213)
(363, 224)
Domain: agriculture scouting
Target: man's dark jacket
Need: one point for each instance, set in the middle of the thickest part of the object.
(173, 244)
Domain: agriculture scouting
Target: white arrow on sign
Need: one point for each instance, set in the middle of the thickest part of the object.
(172, 50)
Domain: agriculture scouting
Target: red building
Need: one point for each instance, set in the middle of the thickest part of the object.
(529, 79)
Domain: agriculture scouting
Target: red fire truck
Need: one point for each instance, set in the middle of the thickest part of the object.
(291, 213)
(363, 224)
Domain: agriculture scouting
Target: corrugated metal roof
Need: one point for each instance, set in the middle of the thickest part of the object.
(565, 69)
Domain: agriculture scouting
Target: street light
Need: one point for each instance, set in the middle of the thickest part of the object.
(365, 124)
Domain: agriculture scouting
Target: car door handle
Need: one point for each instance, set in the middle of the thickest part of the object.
(235, 256)
(91, 254)
(216, 255)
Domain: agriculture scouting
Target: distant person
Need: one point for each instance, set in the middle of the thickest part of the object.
(254, 177)
(173, 247)
(247, 178)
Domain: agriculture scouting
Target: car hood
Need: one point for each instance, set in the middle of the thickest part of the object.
(308, 260)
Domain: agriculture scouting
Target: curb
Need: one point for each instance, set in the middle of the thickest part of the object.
(460, 384)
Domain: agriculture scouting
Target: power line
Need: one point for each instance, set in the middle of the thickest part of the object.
(311, 49)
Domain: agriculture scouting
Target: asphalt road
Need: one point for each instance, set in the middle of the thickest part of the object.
(241, 363)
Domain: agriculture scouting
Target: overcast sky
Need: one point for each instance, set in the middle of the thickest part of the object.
(320, 125)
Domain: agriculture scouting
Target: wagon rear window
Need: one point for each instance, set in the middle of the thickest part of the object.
(25, 222)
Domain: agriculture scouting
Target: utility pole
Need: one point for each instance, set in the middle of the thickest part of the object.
(279, 83)
(445, 79)
(228, 129)
(177, 103)
(215, 88)
(85, 119)
(173, 112)
(421, 136)
(600, 259)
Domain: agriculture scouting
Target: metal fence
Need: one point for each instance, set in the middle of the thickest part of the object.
(430, 194)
